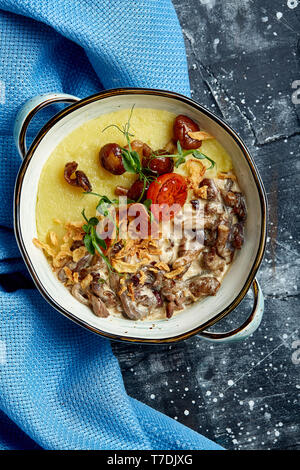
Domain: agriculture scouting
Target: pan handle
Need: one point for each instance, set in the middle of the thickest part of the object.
(248, 327)
(29, 109)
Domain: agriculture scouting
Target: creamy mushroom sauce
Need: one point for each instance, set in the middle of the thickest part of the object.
(170, 248)
(202, 260)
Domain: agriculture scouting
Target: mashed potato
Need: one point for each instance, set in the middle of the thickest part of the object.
(59, 201)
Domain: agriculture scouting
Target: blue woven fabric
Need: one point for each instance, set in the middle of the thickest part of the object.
(61, 386)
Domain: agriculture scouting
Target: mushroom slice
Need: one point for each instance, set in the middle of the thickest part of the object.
(98, 306)
(77, 292)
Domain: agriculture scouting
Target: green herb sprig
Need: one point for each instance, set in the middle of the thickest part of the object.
(180, 156)
(132, 162)
(104, 205)
(92, 241)
(201, 156)
(147, 203)
(131, 159)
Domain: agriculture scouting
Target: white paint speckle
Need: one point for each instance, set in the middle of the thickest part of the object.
(292, 4)
(209, 3)
(186, 412)
(251, 404)
(279, 15)
(189, 36)
(267, 416)
(230, 382)
(152, 396)
(215, 45)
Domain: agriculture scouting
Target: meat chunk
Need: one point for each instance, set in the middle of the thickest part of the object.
(140, 307)
(211, 189)
(224, 248)
(237, 235)
(204, 285)
(102, 291)
(236, 201)
(131, 309)
(188, 251)
(210, 237)
(223, 234)
(172, 290)
(212, 261)
(170, 308)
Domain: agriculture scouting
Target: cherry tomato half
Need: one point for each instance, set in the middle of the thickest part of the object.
(168, 194)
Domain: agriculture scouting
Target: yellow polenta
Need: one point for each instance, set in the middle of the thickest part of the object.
(57, 200)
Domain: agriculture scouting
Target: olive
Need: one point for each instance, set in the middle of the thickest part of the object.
(111, 158)
(159, 165)
(136, 190)
(183, 125)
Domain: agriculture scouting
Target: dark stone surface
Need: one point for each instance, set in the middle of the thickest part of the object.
(243, 58)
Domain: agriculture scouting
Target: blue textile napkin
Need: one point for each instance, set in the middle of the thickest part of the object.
(60, 385)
